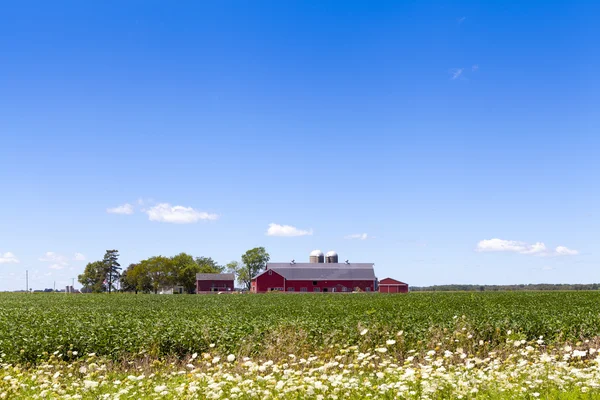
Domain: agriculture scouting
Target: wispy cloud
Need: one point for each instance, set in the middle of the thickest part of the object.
(513, 246)
(461, 20)
(475, 68)
(8, 258)
(55, 258)
(287, 231)
(79, 257)
(56, 266)
(564, 251)
(361, 236)
(125, 209)
(456, 72)
(165, 212)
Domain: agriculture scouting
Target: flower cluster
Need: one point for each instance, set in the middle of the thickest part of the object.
(521, 369)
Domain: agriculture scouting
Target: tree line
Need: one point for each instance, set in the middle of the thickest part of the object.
(500, 288)
(154, 273)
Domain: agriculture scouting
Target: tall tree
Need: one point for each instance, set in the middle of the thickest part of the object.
(111, 267)
(185, 271)
(160, 271)
(237, 269)
(255, 260)
(208, 265)
(93, 277)
(128, 281)
(136, 279)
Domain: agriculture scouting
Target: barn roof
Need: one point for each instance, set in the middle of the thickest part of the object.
(391, 281)
(215, 277)
(323, 272)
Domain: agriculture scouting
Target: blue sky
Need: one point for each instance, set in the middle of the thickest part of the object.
(447, 142)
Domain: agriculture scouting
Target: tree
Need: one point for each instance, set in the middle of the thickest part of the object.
(135, 279)
(237, 269)
(111, 267)
(232, 267)
(185, 269)
(255, 260)
(128, 281)
(160, 271)
(93, 276)
(208, 265)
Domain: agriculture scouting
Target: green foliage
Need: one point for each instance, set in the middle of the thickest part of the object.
(157, 272)
(503, 288)
(185, 271)
(136, 279)
(93, 277)
(255, 260)
(160, 271)
(111, 268)
(208, 266)
(124, 326)
(239, 270)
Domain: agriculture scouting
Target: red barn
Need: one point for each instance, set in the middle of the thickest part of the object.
(315, 277)
(214, 283)
(389, 285)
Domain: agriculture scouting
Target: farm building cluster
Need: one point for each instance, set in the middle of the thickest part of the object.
(323, 273)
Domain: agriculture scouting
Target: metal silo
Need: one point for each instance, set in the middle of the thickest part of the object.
(316, 257)
(331, 257)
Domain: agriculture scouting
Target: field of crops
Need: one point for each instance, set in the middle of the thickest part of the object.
(420, 345)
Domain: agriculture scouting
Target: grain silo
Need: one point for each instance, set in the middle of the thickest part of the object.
(316, 257)
(331, 257)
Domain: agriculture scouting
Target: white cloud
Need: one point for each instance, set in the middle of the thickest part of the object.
(461, 20)
(56, 266)
(502, 245)
(79, 257)
(513, 246)
(361, 236)
(8, 258)
(55, 258)
(164, 212)
(287, 230)
(536, 248)
(456, 72)
(565, 251)
(475, 68)
(125, 209)
(547, 268)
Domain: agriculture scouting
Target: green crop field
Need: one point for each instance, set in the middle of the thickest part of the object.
(419, 345)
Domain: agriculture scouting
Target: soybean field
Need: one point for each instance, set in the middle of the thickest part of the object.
(127, 326)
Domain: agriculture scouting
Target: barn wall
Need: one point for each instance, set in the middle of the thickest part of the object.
(388, 288)
(265, 282)
(337, 285)
(393, 288)
(208, 285)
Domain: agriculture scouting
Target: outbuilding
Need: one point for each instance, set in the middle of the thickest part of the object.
(214, 282)
(389, 285)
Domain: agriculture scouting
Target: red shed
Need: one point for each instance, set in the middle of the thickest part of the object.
(214, 283)
(389, 285)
